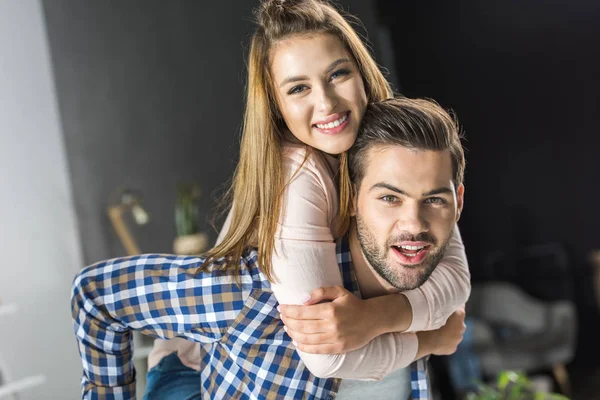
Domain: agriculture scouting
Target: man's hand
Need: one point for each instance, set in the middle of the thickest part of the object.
(333, 321)
(445, 340)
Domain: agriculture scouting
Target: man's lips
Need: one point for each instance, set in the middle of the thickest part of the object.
(411, 253)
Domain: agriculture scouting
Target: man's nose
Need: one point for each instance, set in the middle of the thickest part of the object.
(411, 219)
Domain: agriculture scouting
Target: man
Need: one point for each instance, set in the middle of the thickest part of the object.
(407, 167)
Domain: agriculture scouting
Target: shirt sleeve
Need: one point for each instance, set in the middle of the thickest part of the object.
(158, 295)
(447, 289)
(305, 259)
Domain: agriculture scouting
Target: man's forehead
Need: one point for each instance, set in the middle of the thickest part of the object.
(396, 163)
(403, 154)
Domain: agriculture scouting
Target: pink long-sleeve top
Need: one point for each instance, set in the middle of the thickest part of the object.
(305, 259)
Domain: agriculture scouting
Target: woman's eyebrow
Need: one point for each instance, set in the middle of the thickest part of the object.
(337, 62)
(291, 79)
(331, 67)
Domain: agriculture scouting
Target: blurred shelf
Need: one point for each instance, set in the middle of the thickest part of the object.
(21, 384)
(6, 309)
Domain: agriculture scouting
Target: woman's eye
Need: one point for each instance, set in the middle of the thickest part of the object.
(339, 73)
(297, 89)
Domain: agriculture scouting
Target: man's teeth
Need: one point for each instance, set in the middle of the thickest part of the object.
(412, 247)
(416, 249)
(333, 124)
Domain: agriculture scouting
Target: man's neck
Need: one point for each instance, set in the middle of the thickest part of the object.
(369, 281)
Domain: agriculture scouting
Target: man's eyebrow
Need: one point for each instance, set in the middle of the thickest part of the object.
(383, 185)
(441, 190)
(332, 66)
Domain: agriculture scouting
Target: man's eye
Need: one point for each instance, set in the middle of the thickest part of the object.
(389, 199)
(436, 200)
(297, 89)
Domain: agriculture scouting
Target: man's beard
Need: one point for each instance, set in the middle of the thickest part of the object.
(378, 257)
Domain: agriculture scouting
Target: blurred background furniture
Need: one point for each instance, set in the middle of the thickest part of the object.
(514, 331)
(524, 314)
(520, 317)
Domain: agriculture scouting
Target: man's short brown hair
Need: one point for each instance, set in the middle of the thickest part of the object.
(418, 124)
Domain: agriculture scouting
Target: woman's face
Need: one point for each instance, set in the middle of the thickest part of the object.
(319, 90)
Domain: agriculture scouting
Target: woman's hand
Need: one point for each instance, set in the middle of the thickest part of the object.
(445, 340)
(333, 321)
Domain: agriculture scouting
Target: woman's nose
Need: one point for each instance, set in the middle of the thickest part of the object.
(327, 101)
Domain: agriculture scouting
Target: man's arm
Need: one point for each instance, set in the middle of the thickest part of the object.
(158, 295)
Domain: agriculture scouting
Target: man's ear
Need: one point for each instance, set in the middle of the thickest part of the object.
(460, 200)
(353, 200)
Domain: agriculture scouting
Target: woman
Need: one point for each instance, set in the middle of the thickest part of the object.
(291, 192)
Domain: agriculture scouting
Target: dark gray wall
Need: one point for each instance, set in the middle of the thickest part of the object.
(150, 94)
(523, 78)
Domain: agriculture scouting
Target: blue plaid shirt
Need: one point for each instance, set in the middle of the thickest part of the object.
(249, 355)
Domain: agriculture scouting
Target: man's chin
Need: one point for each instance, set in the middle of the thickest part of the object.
(411, 260)
(409, 276)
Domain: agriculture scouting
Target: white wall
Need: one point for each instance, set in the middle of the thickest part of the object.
(39, 247)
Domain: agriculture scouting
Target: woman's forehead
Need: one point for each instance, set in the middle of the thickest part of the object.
(304, 51)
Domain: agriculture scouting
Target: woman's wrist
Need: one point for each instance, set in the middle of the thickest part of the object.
(393, 313)
(427, 343)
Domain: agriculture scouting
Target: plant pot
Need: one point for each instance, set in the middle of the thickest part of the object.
(194, 244)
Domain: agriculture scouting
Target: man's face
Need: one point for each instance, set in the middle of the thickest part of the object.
(406, 209)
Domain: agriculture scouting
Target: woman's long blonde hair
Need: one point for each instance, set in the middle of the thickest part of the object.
(257, 186)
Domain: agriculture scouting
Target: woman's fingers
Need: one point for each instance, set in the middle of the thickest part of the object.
(320, 348)
(305, 326)
(308, 339)
(315, 343)
(329, 293)
(317, 311)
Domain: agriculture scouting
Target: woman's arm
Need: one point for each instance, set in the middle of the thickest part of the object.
(305, 259)
(333, 327)
(447, 289)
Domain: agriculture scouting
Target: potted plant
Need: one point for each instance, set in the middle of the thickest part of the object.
(189, 239)
(511, 385)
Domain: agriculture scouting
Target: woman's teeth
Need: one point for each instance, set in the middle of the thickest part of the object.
(333, 124)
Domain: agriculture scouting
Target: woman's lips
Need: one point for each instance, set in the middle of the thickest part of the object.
(336, 129)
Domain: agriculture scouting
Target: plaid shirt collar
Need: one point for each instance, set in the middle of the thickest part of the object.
(246, 353)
